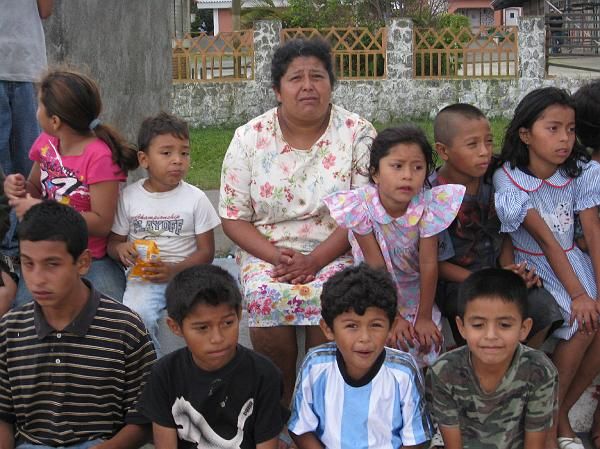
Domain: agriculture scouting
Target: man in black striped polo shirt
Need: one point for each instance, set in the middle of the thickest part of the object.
(72, 362)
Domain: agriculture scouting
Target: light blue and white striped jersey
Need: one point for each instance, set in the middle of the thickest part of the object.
(387, 411)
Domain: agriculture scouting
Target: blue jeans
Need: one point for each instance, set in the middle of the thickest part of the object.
(18, 125)
(148, 300)
(18, 130)
(105, 275)
(84, 445)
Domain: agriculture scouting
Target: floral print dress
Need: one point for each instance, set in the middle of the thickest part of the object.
(279, 189)
(428, 214)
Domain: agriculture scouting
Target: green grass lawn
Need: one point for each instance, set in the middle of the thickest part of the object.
(210, 144)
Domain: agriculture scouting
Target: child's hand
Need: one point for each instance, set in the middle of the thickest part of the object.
(585, 310)
(127, 253)
(14, 186)
(23, 204)
(402, 334)
(528, 275)
(158, 272)
(428, 334)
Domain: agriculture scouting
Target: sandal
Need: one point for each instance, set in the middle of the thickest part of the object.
(437, 441)
(570, 443)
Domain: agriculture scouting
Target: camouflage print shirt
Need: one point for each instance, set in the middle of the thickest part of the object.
(524, 401)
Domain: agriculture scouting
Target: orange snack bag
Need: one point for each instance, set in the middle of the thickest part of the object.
(148, 253)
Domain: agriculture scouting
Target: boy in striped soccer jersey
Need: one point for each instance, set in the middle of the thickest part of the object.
(354, 391)
(72, 362)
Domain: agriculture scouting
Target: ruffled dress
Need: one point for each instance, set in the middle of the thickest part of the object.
(557, 199)
(429, 213)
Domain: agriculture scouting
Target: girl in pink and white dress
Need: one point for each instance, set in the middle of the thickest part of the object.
(393, 222)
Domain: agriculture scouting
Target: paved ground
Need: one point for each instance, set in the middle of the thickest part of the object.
(574, 66)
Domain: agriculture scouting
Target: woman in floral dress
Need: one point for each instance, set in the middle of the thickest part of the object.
(276, 171)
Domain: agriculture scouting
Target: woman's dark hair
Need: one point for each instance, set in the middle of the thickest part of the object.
(587, 115)
(356, 289)
(391, 137)
(528, 111)
(75, 99)
(294, 48)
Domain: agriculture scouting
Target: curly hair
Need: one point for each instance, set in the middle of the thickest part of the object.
(528, 111)
(201, 284)
(358, 288)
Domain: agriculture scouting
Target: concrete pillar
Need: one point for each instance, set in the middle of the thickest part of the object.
(266, 41)
(399, 49)
(125, 46)
(532, 52)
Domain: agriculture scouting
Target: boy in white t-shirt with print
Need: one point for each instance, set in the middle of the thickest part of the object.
(177, 216)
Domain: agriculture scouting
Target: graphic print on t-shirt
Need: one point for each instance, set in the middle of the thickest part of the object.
(157, 225)
(59, 182)
(192, 426)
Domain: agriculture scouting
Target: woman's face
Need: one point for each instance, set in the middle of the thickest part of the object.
(305, 89)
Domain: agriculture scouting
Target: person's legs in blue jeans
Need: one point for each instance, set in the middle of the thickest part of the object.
(108, 277)
(148, 300)
(85, 445)
(18, 130)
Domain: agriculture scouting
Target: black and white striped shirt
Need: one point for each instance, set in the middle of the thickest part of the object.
(65, 387)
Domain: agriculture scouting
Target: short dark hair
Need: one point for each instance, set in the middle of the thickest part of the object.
(295, 48)
(587, 115)
(55, 222)
(493, 283)
(161, 124)
(527, 112)
(390, 137)
(201, 284)
(443, 129)
(358, 288)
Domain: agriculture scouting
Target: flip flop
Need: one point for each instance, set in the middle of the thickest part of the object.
(570, 443)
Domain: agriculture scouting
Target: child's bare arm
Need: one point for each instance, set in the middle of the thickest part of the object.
(583, 308)
(371, 250)
(162, 272)
(507, 252)
(452, 437)
(426, 330)
(164, 437)
(8, 291)
(270, 444)
(7, 436)
(449, 271)
(590, 222)
(121, 250)
(306, 441)
(535, 440)
(205, 252)
(103, 205)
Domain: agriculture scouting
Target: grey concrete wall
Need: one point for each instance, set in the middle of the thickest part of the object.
(399, 95)
(124, 45)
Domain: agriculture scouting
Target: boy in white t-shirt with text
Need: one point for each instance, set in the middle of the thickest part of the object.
(162, 208)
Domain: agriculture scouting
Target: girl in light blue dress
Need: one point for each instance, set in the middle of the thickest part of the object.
(546, 178)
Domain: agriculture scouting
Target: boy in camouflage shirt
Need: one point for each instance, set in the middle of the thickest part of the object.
(495, 392)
